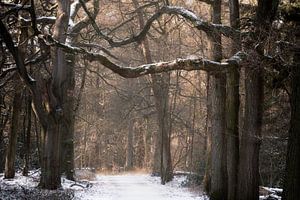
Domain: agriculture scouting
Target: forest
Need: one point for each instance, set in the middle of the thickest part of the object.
(208, 90)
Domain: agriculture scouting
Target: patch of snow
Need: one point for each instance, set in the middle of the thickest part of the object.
(22, 187)
(24, 181)
(136, 186)
(104, 187)
(73, 7)
(185, 12)
(71, 23)
(273, 193)
(46, 18)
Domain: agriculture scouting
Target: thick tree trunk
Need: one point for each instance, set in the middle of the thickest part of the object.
(67, 140)
(68, 120)
(218, 151)
(248, 183)
(250, 137)
(232, 133)
(68, 99)
(12, 141)
(292, 179)
(218, 95)
(50, 176)
(232, 109)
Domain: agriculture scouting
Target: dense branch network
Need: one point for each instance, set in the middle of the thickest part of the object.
(132, 72)
(200, 24)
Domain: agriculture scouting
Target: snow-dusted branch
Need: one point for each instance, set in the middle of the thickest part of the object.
(198, 23)
(187, 64)
(39, 20)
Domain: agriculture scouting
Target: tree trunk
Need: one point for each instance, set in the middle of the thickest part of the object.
(147, 144)
(207, 176)
(160, 85)
(232, 108)
(218, 155)
(68, 120)
(156, 165)
(27, 138)
(129, 149)
(50, 176)
(218, 94)
(250, 137)
(3, 122)
(12, 141)
(232, 133)
(292, 179)
(248, 183)
(161, 95)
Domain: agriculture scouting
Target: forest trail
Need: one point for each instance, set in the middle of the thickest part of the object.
(136, 187)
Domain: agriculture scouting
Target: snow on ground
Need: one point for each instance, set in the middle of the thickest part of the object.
(25, 188)
(108, 187)
(103, 187)
(136, 187)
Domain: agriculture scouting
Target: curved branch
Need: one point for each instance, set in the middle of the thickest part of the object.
(187, 64)
(7, 39)
(198, 23)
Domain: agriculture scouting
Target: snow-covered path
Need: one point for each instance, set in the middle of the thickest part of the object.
(135, 187)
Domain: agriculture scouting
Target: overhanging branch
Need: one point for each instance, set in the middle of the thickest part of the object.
(187, 64)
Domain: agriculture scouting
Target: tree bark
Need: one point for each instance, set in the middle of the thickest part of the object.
(248, 183)
(27, 138)
(3, 122)
(207, 176)
(68, 120)
(50, 177)
(250, 137)
(232, 108)
(12, 141)
(161, 95)
(218, 94)
(68, 99)
(147, 144)
(292, 179)
(129, 149)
